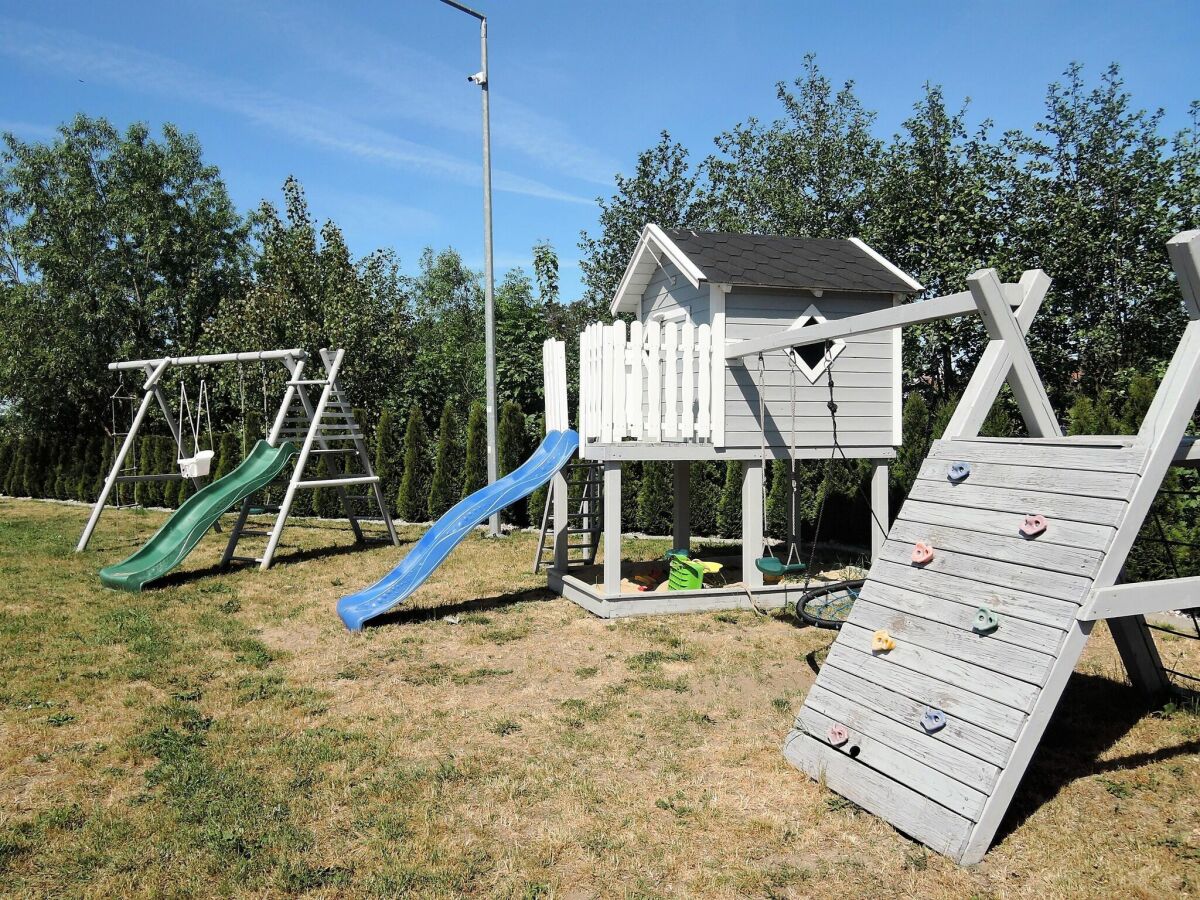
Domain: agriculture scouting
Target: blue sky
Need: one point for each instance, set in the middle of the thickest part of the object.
(367, 103)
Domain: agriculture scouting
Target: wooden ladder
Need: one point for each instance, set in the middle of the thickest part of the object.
(585, 504)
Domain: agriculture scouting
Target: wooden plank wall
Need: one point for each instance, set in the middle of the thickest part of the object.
(863, 374)
(933, 786)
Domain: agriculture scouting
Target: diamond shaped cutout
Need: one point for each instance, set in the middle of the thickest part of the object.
(814, 359)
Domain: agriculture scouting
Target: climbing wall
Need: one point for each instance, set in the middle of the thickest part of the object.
(918, 724)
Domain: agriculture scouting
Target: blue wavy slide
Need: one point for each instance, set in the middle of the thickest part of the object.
(435, 545)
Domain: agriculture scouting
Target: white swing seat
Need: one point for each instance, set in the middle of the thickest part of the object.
(196, 466)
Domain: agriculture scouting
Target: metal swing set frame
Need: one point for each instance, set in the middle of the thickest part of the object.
(324, 426)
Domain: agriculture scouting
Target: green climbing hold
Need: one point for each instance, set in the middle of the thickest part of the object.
(986, 621)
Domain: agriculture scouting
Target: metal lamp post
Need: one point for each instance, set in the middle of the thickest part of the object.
(489, 313)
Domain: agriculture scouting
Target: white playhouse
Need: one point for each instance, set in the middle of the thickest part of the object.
(661, 387)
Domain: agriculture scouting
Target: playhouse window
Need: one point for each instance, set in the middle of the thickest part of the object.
(812, 359)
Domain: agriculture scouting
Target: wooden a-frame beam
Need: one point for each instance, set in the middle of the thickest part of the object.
(1023, 377)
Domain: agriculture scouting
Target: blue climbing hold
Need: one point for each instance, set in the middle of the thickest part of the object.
(958, 471)
(933, 720)
(986, 621)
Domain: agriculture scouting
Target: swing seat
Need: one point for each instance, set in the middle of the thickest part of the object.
(196, 466)
(769, 565)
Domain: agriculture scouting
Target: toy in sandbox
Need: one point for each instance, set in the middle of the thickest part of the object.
(303, 429)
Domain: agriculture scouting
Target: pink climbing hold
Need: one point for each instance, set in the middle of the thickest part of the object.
(922, 553)
(1033, 526)
(837, 735)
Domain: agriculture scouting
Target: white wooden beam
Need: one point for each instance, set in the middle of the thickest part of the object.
(1023, 377)
(752, 522)
(879, 508)
(1184, 250)
(961, 304)
(1143, 597)
(993, 368)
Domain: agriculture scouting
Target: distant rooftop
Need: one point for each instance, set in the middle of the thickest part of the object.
(761, 260)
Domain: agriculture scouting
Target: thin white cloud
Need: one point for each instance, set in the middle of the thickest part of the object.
(69, 54)
(409, 83)
(28, 129)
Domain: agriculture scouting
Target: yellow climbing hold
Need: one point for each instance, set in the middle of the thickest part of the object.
(882, 642)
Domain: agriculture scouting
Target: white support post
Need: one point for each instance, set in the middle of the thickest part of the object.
(879, 508)
(716, 308)
(1023, 378)
(681, 532)
(652, 357)
(992, 370)
(752, 522)
(612, 527)
(562, 521)
(148, 394)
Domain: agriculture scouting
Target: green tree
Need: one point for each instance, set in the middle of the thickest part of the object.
(412, 502)
(729, 509)
(660, 190)
(447, 468)
(388, 448)
(511, 451)
(118, 245)
(655, 499)
(779, 495)
(520, 332)
(475, 460)
(917, 438)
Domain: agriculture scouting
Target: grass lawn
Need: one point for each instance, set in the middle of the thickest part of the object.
(225, 735)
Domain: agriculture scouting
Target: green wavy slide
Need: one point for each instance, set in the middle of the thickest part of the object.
(183, 530)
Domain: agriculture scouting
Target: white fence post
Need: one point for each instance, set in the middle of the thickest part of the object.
(653, 359)
(689, 381)
(670, 381)
(633, 383)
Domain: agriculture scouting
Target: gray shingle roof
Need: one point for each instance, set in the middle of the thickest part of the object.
(759, 260)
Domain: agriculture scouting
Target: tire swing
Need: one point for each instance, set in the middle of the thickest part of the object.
(827, 605)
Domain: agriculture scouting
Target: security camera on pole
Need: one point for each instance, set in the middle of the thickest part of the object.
(489, 314)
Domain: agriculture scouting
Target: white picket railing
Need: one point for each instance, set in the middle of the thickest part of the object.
(653, 384)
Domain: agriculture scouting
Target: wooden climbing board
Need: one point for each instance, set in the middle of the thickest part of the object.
(939, 786)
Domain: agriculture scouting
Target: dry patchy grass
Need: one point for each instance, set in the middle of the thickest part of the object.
(224, 735)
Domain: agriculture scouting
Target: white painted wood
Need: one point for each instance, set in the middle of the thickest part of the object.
(943, 758)
(952, 698)
(1072, 453)
(1009, 548)
(897, 766)
(857, 446)
(704, 352)
(997, 686)
(670, 412)
(993, 368)
(879, 508)
(960, 304)
(1143, 597)
(1019, 501)
(1006, 601)
(1001, 796)
(907, 810)
(653, 247)
(688, 391)
(612, 528)
(634, 379)
(620, 421)
(979, 649)
(962, 745)
(1064, 533)
(897, 384)
(1023, 377)
(912, 283)
(1041, 638)
(752, 522)
(1112, 485)
(1058, 585)
(609, 390)
(652, 357)
(716, 305)
(1184, 250)
(682, 526)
